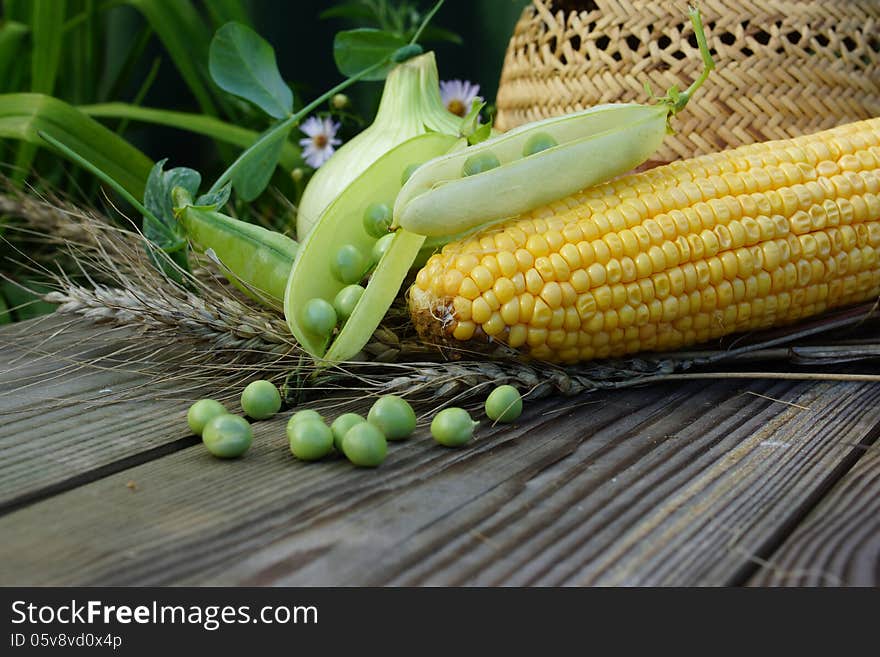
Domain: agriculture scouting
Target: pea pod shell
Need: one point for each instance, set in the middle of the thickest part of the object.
(341, 224)
(594, 146)
(258, 259)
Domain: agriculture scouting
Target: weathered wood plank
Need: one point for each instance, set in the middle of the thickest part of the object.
(674, 484)
(61, 418)
(686, 496)
(838, 544)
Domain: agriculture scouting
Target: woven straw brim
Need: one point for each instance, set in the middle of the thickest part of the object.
(784, 68)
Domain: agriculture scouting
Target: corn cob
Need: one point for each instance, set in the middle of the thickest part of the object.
(749, 238)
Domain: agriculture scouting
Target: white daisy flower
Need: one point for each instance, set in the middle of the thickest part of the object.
(321, 142)
(459, 95)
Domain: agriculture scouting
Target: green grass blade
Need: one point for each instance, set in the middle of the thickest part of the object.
(17, 10)
(12, 36)
(47, 23)
(81, 57)
(23, 116)
(185, 36)
(198, 123)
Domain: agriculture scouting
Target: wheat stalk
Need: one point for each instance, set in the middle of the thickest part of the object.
(206, 330)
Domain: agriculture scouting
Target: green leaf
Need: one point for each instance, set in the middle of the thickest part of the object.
(168, 235)
(254, 172)
(157, 198)
(480, 134)
(356, 50)
(23, 116)
(243, 63)
(197, 123)
(214, 200)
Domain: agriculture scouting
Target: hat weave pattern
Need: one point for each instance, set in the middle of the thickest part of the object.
(784, 67)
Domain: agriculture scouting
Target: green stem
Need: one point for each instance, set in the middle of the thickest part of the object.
(708, 62)
(76, 157)
(425, 22)
(291, 121)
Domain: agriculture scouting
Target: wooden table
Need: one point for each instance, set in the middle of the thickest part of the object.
(699, 483)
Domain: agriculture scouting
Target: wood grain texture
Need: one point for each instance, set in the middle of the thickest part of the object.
(73, 406)
(838, 543)
(670, 484)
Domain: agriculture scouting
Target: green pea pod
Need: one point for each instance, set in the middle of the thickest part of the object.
(315, 274)
(258, 260)
(498, 178)
(540, 162)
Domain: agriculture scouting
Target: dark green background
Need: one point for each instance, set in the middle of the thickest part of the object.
(304, 46)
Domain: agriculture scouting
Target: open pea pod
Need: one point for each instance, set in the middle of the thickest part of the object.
(527, 167)
(337, 254)
(539, 162)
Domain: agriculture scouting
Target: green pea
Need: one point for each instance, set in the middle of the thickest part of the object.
(540, 141)
(452, 427)
(227, 436)
(202, 412)
(377, 219)
(305, 414)
(346, 299)
(319, 316)
(341, 425)
(260, 400)
(479, 163)
(364, 445)
(349, 265)
(309, 439)
(381, 246)
(409, 171)
(504, 404)
(393, 416)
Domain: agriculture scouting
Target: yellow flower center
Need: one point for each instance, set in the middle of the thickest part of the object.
(456, 107)
(320, 141)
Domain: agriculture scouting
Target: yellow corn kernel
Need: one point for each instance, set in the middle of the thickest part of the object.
(739, 240)
(464, 331)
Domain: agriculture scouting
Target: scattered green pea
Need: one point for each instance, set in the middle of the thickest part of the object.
(504, 404)
(452, 427)
(393, 416)
(319, 316)
(346, 300)
(381, 246)
(349, 265)
(202, 412)
(305, 414)
(341, 425)
(377, 219)
(479, 163)
(365, 445)
(260, 400)
(309, 439)
(538, 142)
(409, 171)
(227, 436)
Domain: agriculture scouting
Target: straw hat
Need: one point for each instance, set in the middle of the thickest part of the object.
(784, 67)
